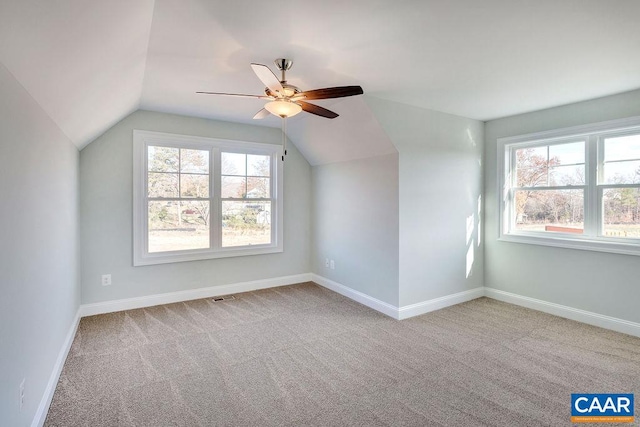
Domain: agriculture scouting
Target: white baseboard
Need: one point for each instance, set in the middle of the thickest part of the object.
(45, 402)
(172, 297)
(376, 304)
(423, 307)
(407, 311)
(399, 313)
(595, 319)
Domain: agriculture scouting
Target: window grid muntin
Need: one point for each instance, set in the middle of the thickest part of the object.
(514, 147)
(246, 177)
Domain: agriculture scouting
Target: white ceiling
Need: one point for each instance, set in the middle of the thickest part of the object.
(89, 63)
(82, 61)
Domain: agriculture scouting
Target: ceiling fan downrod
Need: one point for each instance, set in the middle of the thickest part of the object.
(283, 65)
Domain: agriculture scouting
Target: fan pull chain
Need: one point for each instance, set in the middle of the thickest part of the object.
(284, 136)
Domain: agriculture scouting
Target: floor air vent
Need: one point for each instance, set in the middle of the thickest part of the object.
(225, 298)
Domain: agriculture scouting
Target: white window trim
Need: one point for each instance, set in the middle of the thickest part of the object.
(592, 196)
(142, 139)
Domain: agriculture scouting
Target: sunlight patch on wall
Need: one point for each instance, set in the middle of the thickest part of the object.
(470, 258)
(471, 227)
(470, 136)
(479, 219)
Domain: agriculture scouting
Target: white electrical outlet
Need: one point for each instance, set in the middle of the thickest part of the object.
(106, 279)
(326, 262)
(333, 265)
(22, 394)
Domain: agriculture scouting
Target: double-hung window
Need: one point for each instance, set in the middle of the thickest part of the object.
(198, 198)
(577, 187)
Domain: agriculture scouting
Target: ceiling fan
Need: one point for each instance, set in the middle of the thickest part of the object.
(287, 100)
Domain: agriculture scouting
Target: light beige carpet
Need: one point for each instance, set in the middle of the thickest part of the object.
(302, 355)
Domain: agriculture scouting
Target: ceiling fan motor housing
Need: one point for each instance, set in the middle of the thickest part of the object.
(288, 91)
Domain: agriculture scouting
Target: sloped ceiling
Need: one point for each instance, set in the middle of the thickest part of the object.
(358, 135)
(89, 63)
(82, 61)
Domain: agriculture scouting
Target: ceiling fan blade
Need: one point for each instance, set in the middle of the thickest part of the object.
(317, 110)
(267, 77)
(236, 94)
(332, 92)
(261, 114)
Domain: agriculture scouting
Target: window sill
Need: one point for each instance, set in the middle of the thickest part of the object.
(567, 242)
(165, 258)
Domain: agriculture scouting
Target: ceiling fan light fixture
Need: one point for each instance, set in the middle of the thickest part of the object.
(283, 108)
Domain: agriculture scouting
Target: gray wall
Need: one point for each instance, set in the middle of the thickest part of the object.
(594, 281)
(106, 215)
(355, 223)
(440, 181)
(38, 248)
